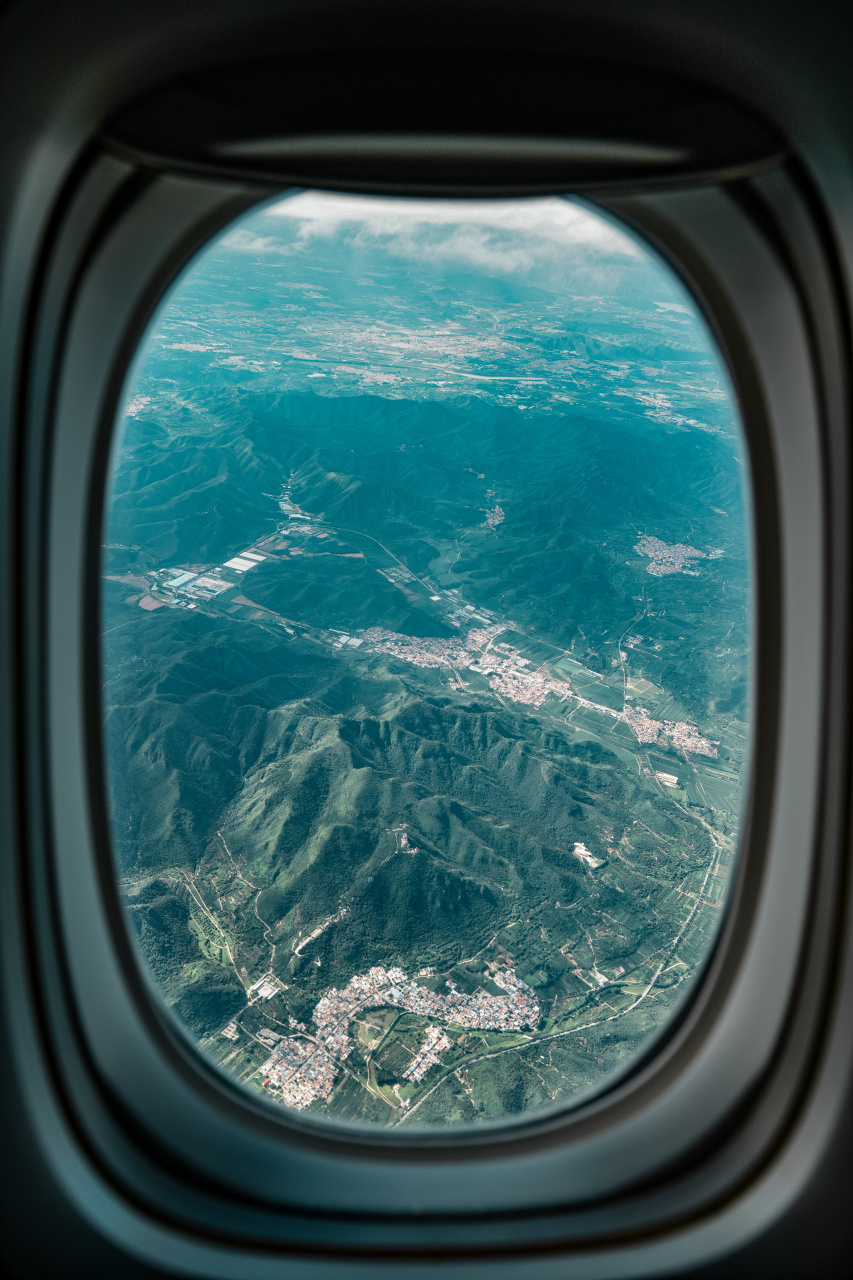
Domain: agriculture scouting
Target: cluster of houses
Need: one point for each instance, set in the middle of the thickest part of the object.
(301, 1069)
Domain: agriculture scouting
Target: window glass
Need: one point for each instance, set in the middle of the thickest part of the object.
(425, 631)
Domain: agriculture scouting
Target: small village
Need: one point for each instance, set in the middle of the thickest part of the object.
(302, 1069)
(667, 558)
(685, 737)
(672, 557)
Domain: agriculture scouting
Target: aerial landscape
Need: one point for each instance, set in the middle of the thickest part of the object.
(426, 628)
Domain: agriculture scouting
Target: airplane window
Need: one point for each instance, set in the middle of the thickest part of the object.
(426, 624)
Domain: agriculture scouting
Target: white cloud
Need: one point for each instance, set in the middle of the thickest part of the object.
(530, 238)
(549, 218)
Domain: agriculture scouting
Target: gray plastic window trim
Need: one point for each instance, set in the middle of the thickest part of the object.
(161, 1149)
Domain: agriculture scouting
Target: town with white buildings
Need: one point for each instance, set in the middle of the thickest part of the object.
(303, 1068)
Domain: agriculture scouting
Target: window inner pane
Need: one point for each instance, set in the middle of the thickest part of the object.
(425, 626)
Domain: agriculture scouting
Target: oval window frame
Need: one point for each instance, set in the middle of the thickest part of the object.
(154, 232)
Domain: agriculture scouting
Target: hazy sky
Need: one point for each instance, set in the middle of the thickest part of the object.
(551, 242)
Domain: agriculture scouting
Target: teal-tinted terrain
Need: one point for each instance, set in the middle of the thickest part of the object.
(426, 628)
